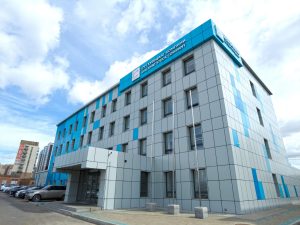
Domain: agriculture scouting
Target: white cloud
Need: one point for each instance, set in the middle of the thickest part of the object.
(139, 16)
(28, 32)
(84, 90)
(15, 128)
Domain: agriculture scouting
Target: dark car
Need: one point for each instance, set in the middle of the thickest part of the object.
(14, 190)
(22, 193)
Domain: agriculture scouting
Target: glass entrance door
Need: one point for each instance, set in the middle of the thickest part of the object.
(88, 186)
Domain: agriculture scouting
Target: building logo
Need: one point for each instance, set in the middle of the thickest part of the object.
(136, 74)
(226, 41)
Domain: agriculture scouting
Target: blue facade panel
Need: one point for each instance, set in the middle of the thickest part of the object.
(135, 134)
(285, 188)
(235, 138)
(110, 96)
(96, 124)
(103, 100)
(97, 103)
(119, 148)
(259, 189)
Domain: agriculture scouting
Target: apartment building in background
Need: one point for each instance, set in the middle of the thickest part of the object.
(25, 159)
(5, 169)
(41, 171)
(194, 125)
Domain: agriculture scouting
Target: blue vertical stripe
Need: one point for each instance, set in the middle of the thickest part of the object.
(135, 134)
(259, 189)
(235, 138)
(110, 96)
(285, 188)
(241, 106)
(119, 148)
(97, 103)
(103, 100)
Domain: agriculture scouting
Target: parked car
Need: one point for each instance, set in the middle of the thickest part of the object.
(2, 186)
(7, 189)
(22, 193)
(13, 191)
(48, 192)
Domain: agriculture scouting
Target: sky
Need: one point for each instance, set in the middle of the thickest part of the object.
(57, 55)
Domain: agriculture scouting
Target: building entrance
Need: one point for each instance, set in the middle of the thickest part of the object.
(88, 186)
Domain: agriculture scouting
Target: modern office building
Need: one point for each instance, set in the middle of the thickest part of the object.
(195, 106)
(41, 172)
(26, 159)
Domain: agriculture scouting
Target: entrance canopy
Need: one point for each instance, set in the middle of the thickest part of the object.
(85, 158)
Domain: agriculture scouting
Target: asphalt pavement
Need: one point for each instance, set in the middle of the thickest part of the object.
(21, 212)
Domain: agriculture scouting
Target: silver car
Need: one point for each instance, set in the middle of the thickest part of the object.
(48, 192)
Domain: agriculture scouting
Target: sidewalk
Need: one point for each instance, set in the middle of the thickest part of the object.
(284, 215)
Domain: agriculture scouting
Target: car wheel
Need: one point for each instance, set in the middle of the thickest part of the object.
(36, 198)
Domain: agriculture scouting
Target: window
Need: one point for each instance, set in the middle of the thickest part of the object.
(276, 184)
(144, 89)
(189, 65)
(203, 183)
(170, 184)
(92, 118)
(253, 89)
(142, 146)
(58, 137)
(103, 112)
(110, 148)
(260, 117)
(143, 116)
(60, 149)
(195, 100)
(101, 132)
(144, 184)
(267, 148)
(111, 129)
(81, 141)
(114, 105)
(76, 125)
(89, 139)
(56, 151)
(67, 146)
(64, 132)
(199, 138)
(166, 77)
(73, 145)
(84, 122)
(168, 141)
(127, 98)
(125, 147)
(168, 107)
(126, 123)
(70, 128)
